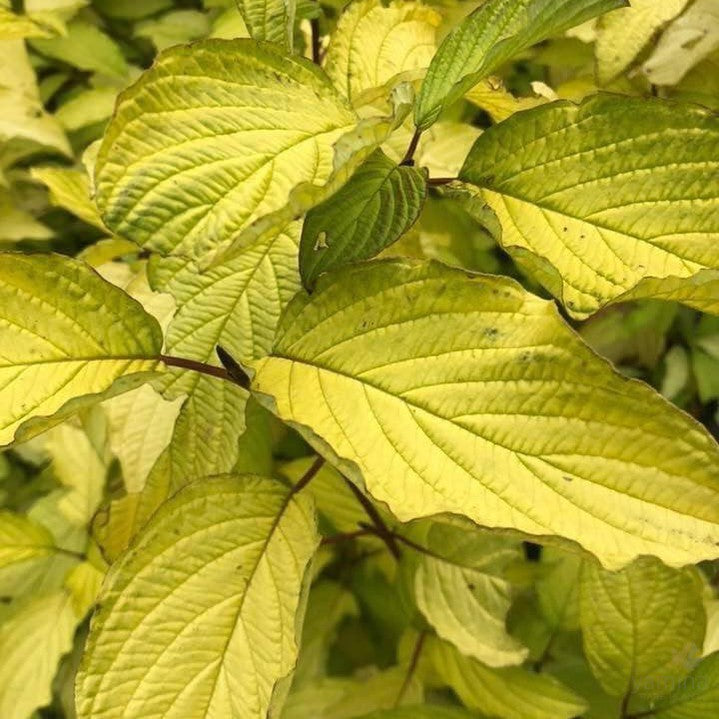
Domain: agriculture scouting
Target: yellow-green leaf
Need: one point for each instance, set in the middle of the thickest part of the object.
(693, 36)
(32, 642)
(603, 201)
(508, 693)
(221, 572)
(624, 33)
(460, 588)
(272, 20)
(444, 392)
(212, 139)
(379, 203)
(22, 541)
(492, 34)
(374, 44)
(643, 627)
(697, 697)
(67, 337)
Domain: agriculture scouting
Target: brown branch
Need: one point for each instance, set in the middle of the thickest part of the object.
(380, 528)
(435, 181)
(237, 376)
(316, 41)
(308, 475)
(348, 536)
(412, 668)
(408, 158)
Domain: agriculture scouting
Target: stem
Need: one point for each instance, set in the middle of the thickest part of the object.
(624, 711)
(433, 181)
(408, 158)
(316, 41)
(308, 475)
(202, 368)
(381, 529)
(412, 667)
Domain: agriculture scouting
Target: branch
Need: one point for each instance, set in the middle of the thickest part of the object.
(408, 158)
(413, 662)
(233, 374)
(380, 528)
(308, 475)
(435, 181)
(316, 41)
(348, 536)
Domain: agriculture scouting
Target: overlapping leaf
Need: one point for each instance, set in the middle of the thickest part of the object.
(496, 31)
(449, 393)
(66, 335)
(608, 200)
(221, 570)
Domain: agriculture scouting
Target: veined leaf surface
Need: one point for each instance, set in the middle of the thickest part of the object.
(213, 138)
(65, 334)
(379, 203)
(465, 394)
(496, 31)
(695, 698)
(219, 574)
(605, 200)
(272, 20)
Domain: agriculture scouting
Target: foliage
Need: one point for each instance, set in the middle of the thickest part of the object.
(359, 360)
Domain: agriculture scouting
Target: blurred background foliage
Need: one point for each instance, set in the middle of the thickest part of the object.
(62, 65)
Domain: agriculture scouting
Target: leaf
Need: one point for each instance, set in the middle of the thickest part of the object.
(374, 44)
(379, 203)
(421, 712)
(624, 33)
(220, 569)
(434, 387)
(85, 47)
(558, 589)
(571, 186)
(272, 20)
(643, 627)
(460, 588)
(691, 38)
(493, 97)
(15, 27)
(488, 37)
(26, 550)
(508, 693)
(141, 425)
(174, 28)
(67, 337)
(32, 641)
(697, 697)
(70, 189)
(213, 138)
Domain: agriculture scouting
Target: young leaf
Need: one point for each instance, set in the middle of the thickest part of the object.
(373, 45)
(643, 627)
(459, 587)
(221, 570)
(697, 697)
(693, 36)
(67, 338)
(213, 138)
(624, 33)
(509, 693)
(32, 642)
(379, 203)
(24, 543)
(604, 200)
(495, 32)
(444, 392)
(271, 20)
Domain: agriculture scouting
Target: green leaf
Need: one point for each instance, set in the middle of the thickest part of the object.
(25, 548)
(16, 27)
(272, 20)
(212, 139)
(85, 47)
(70, 189)
(558, 589)
(697, 697)
(460, 588)
(495, 32)
(374, 45)
(67, 338)
(572, 185)
(421, 712)
(221, 569)
(691, 38)
(508, 693)
(174, 28)
(434, 388)
(624, 33)
(379, 203)
(32, 642)
(643, 627)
